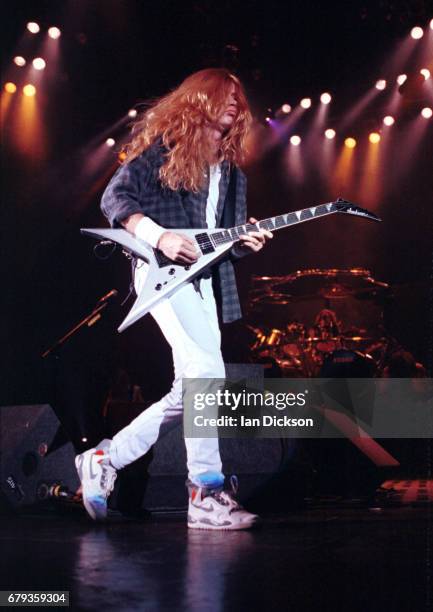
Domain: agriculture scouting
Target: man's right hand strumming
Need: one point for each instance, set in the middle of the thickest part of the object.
(178, 247)
(175, 246)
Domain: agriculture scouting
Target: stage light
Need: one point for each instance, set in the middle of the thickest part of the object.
(19, 60)
(330, 133)
(38, 63)
(83, 439)
(417, 32)
(29, 90)
(325, 98)
(10, 87)
(286, 108)
(425, 73)
(388, 120)
(110, 142)
(427, 112)
(33, 27)
(374, 137)
(306, 102)
(132, 113)
(54, 32)
(380, 84)
(401, 78)
(295, 140)
(431, 24)
(350, 143)
(267, 119)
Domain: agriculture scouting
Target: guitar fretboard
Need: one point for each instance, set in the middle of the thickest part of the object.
(274, 223)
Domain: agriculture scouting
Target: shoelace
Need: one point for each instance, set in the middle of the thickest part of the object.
(108, 478)
(226, 497)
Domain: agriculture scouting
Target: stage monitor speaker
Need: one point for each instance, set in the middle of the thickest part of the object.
(33, 456)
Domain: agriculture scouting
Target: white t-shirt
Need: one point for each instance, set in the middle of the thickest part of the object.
(212, 198)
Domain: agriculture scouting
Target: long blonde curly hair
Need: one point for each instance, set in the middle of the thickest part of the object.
(180, 119)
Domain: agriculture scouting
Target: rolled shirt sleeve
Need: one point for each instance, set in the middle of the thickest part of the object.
(121, 198)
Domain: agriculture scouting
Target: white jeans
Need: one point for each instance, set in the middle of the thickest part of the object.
(189, 323)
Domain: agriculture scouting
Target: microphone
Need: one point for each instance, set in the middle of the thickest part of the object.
(108, 296)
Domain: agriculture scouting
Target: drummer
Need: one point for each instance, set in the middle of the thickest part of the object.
(325, 325)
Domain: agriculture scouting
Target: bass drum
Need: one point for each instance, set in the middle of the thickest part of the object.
(343, 363)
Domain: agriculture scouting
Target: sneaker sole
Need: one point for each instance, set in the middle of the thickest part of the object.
(234, 527)
(90, 509)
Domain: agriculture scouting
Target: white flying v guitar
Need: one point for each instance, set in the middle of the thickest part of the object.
(166, 276)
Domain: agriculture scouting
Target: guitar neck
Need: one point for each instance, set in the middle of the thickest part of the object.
(274, 223)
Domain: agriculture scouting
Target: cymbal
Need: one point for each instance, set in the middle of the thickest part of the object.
(310, 284)
(316, 339)
(272, 298)
(335, 291)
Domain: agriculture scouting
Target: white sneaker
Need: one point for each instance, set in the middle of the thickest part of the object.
(97, 479)
(217, 509)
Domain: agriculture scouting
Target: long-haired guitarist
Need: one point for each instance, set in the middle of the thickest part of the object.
(182, 170)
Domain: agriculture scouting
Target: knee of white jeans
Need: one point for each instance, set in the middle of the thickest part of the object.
(174, 396)
(208, 367)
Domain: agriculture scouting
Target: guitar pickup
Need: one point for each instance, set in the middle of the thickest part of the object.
(205, 244)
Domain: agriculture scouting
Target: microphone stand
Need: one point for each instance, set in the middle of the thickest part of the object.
(89, 320)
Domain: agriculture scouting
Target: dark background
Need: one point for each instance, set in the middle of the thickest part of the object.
(115, 54)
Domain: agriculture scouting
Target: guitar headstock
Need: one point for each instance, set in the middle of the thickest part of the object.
(344, 206)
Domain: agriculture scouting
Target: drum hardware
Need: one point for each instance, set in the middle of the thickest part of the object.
(300, 351)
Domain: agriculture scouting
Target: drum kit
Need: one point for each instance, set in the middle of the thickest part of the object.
(318, 323)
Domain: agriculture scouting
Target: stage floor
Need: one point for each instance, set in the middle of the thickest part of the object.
(324, 559)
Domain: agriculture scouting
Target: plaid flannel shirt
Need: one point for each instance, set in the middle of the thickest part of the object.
(135, 188)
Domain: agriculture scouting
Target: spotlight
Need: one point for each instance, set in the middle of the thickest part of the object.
(330, 133)
(427, 112)
(306, 102)
(110, 142)
(10, 87)
(388, 120)
(286, 108)
(401, 78)
(374, 137)
(54, 32)
(380, 84)
(325, 98)
(431, 24)
(295, 140)
(417, 32)
(267, 119)
(83, 439)
(33, 27)
(350, 143)
(38, 63)
(19, 60)
(425, 73)
(29, 90)
(132, 113)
